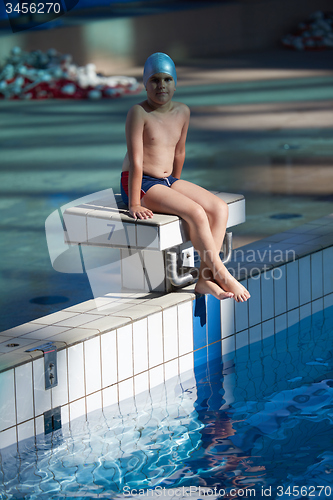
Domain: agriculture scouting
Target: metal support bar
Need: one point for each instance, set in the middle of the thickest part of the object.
(227, 248)
(50, 368)
(178, 280)
(180, 276)
(50, 363)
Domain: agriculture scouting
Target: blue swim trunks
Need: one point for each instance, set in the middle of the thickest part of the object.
(147, 183)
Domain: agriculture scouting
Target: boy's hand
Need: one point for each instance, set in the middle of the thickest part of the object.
(139, 212)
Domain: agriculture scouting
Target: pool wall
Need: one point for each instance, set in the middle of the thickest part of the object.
(120, 346)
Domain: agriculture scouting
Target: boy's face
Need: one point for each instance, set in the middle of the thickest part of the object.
(160, 88)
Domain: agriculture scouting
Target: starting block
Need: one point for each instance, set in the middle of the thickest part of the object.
(155, 254)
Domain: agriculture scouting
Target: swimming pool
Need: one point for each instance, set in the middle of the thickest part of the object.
(243, 118)
(255, 422)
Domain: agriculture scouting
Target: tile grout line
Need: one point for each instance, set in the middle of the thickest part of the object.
(15, 405)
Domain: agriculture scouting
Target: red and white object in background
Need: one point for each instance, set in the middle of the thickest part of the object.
(51, 75)
(314, 34)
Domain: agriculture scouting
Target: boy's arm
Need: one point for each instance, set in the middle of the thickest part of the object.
(134, 138)
(180, 147)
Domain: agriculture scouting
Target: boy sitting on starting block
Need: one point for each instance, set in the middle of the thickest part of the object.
(156, 132)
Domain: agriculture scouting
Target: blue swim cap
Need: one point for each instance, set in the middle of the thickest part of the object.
(159, 63)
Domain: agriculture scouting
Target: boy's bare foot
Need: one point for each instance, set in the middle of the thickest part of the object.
(230, 284)
(209, 286)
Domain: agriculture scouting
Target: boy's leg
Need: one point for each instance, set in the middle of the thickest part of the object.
(165, 200)
(217, 212)
(215, 208)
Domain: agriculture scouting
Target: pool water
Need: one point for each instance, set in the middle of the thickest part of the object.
(255, 423)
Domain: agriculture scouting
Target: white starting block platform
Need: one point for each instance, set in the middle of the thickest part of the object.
(149, 243)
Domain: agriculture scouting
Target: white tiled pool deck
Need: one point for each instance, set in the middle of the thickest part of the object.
(83, 321)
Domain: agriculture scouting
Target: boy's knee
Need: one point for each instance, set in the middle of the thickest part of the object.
(224, 207)
(198, 214)
(220, 209)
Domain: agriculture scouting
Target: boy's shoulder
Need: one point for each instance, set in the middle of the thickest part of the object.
(181, 107)
(137, 108)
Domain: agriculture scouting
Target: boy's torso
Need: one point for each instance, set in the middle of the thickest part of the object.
(161, 134)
